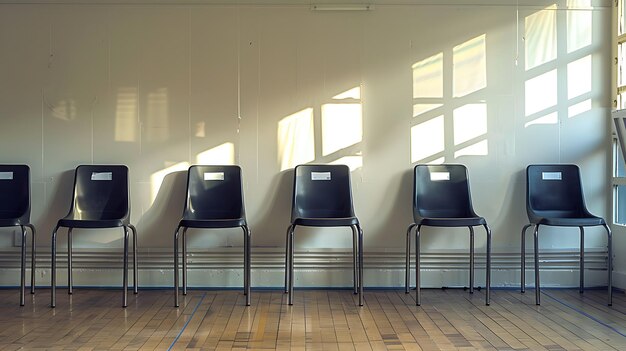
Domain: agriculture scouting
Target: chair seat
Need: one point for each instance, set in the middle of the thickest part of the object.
(213, 223)
(326, 222)
(88, 223)
(451, 222)
(569, 222)
(10, 222)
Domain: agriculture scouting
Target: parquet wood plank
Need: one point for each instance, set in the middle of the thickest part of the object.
(319, 320)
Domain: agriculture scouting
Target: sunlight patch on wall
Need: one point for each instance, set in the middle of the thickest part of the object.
(469, 66)
(220, 155)
(342, 126)
(419, 109)
(552, 118)
(481, 148)
(353, 162)
(579, 24)
(354, 93)
(437, 161)
(156, 179)
(540, 35)
(200, 131)
(470, 121)
(541, 92)
(579, 77)
(579, 108)
(126, 115)
(296, 139)
(64, 110)
(427, 139)
(157, 116)
(428, 77)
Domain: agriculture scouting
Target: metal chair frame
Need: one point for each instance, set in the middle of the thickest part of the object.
(93, 225)
(469, 222)
(212, 223)
(352, 222)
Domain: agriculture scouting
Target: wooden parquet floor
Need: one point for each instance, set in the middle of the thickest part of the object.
(318, 320)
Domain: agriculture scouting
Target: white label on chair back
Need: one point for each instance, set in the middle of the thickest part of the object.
(6, 175)
(439, 176)
(551, 176)
(320, 175)
(213, 175)
(102, 176)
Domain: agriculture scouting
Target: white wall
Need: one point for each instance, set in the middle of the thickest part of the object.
(159, 87)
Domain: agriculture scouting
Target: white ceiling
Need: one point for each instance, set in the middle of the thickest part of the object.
(561, 3)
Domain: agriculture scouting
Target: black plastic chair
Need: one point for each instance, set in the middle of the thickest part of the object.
(214, 200)
(554, 197)
(322, 197)
(15, 212)
(100, 200)
(441, 198)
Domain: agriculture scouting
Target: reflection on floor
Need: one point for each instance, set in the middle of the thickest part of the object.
(319, 319)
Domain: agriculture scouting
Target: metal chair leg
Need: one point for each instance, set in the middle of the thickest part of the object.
(53, 273)
(176, 282)
(249, 268)
(407, 254)
(610, 264)
(135, 267)
(70, 280)
(471, 263)
(360, 248)
(125, 278)
(523, 257)
(246, 264)
(537, 287)
(355, 264)
(23, 267)
(488, 268)
(287, 264)
(245, 260)
(32, 258)
(581, 287)
(418, 295)
(185, 260)
(291, 265)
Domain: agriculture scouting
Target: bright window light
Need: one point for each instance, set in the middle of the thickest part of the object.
(220, 155)
(428, 77)
(126, 114)
(552, 118)
(541, 92)
(427, 139)
(470, 121)
(470, 66)
(296, 139)
(157, 177)
(579, 77)
(540, 35)
(479, 149)
(579, 24)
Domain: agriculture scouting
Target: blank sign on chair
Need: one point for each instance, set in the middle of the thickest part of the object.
(102, 176)
(439, 176)
(213, 175)
(551, 176)
(320, 176)
(6, 175)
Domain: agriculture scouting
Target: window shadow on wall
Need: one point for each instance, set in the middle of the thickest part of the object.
(163, 216)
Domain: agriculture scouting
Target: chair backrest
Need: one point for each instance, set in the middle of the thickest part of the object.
(214, 192)
(15, 192)
(100, 193)
(441, 191)
(554, 191)
(322, 191)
